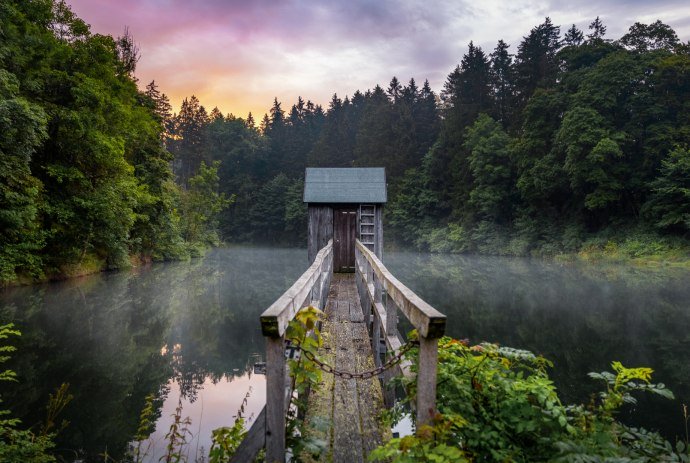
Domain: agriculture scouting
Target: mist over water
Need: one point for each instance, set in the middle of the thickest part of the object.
(186, 330)
(190, 331)
(580, 316)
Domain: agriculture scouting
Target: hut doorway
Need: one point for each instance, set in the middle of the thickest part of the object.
(344, 233)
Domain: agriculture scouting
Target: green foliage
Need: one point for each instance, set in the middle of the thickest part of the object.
(669, 204)
(306, 375)
(498, 404)
(535, 153)
(200, 205)
(176, 437)
(147, 423)
(17, 445)
(225, 441)
(22, 129)
(304, 333)
(86, 182)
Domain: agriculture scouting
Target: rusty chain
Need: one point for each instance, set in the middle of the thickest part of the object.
(390, 363)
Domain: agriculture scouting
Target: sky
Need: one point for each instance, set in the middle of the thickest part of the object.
(239, 55)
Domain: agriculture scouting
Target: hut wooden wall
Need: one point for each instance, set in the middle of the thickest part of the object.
(320, 228)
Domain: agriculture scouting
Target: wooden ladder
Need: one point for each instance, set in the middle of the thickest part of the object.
(367, 225)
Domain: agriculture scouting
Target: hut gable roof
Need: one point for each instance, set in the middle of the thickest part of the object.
(345, 185)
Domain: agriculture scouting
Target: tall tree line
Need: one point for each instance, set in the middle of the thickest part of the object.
(572, 139)
(264, 167)
(569, 142)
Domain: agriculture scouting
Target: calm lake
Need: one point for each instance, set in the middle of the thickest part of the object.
(188, 332)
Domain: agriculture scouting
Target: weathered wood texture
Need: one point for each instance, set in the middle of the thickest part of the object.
(428, 321)
(349, 406)
(275, 319)
(275, 408)
(320, 228)
(384, 295)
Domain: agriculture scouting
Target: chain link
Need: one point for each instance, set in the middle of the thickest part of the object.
(390, 363)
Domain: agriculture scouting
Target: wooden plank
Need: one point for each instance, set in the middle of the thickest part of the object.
(319, 415)
(352, 406)
(376, 337)
(274, 320)
(347, 431)
(369, 391)
(275, 400)
(428, 321)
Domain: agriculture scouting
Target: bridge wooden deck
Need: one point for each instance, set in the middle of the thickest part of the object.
(361, 325)
(350, 407)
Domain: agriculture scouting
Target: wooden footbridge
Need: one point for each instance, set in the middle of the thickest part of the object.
(361, 300)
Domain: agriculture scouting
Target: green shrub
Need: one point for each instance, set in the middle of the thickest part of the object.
(497, 404)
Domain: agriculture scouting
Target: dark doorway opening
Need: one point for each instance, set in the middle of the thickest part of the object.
(344, 229)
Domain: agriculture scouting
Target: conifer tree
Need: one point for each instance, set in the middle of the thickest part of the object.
(188, 144)
(573, 36)
(161, 108)
(536, 64)
(598, 31)
(394, 89)
(502, 82)
(249, 123)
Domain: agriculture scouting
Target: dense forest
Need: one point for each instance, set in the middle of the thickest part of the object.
(574, 141)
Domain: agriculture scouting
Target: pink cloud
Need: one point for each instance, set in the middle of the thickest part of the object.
(239, 54)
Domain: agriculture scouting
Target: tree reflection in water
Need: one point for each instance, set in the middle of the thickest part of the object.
(173, 328)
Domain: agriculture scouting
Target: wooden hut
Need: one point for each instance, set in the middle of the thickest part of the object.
(344, 204)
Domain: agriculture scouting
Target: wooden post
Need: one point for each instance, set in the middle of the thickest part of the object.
(376, 339)
(275, 400)
(377, 289)
(391, 317)
(426, 380)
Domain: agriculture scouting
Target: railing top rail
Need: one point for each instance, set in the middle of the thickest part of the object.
(429, 322)
(275, 319)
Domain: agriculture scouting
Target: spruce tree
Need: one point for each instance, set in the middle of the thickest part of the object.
(598, 31)
(573, 37)
(502, 82)
(536, 64)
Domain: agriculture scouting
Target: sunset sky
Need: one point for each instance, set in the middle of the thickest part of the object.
(239, 55)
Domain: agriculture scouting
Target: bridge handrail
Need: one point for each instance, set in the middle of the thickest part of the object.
(381, 295)
(269, 429)
(275, 319)
(429, 322)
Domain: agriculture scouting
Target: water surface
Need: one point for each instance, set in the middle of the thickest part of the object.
(580, 316)
(184, 331)
(188, 332)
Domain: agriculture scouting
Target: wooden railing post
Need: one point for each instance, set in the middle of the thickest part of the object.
(391, 316)
(426, 380)
(275, 399)
(429, 323)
